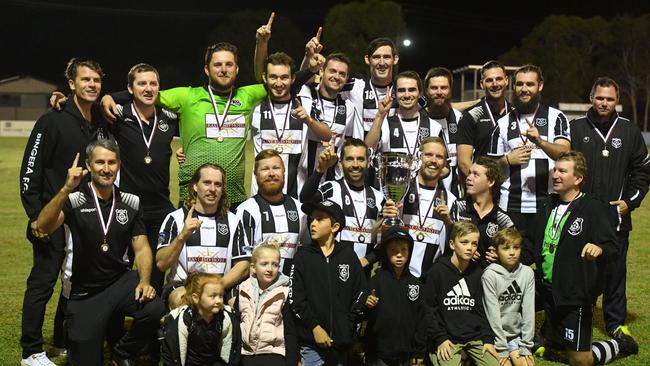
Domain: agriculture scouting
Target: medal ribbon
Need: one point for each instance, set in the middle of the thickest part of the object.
(609, 133)
(216, 110)
(417, 137)
(517, 115)
(437, 193)
(322, 109)
(286, 119)
(100, 216)
(487, 107)
(153, 130)
(365, 199)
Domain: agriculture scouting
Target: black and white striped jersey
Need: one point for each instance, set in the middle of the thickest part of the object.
(365, 97)
(425, 226)
(527, 186)
(214, 248)
(405, 135)
(361, 207)
(281, 223)
(273, 127)
(449, 127)
(340, 116)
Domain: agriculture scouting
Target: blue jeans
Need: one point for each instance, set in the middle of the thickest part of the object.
(314, 356)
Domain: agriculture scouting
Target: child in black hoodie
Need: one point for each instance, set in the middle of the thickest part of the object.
(453, 296)
(395, 334)
(327, 289)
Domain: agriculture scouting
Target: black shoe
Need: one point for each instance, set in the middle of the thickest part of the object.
(119, 361)
(626, 344)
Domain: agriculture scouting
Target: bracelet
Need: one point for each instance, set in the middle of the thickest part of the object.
(507, 160)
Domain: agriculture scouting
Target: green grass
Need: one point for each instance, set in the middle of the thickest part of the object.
(15, 264)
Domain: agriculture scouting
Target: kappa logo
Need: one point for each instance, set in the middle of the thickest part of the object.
(541, 122)
(163, 126)
(292, 215)
(344, 272)
(511, 294)
(459, 298)
(491, 229)
(617, 143)
(340, 109)
(453, 127)
(371, 202)
(236, 103)
(576, 226)
(414, 292)
(122, 216)
(222, 229)
(424, 132)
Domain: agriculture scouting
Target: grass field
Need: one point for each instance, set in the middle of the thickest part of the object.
(15, 264)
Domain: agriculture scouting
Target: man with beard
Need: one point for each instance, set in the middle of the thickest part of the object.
(426, 207)
(328, 107)
(403, 131)
(103, 222)
(527, 141)
(270, 215)
(281, 123)
(478, 121)
(360, 201)
(480, 205)
(438, 86)
(613, 145)
(56, 137)
(202, 236)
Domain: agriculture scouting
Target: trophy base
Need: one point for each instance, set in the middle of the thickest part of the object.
(393, 221)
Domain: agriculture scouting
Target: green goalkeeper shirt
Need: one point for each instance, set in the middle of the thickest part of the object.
(200, 130)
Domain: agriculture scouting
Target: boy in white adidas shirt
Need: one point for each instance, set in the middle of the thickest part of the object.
(453, 295)
(509, 300)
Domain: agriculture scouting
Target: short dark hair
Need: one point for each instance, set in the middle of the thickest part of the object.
(492, 172)
(221, 46)
(380, 42)
(352, 141)
(530, 68)
(492, 64)
(410, 74)
(604, 82)
(104, 143)
(224, 203)
(76, 62)
(338, 56)
(281, 58)
(439, 72)
(138, 68)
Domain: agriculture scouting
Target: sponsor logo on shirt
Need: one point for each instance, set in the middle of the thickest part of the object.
(236, 103)
(512, 294)
(459, 297)
(88, 209)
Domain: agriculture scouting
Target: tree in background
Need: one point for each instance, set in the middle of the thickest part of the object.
(350, 27)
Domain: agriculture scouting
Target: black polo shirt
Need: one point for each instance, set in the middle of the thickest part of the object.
(150, 181)
(476, 125)
(93, 266)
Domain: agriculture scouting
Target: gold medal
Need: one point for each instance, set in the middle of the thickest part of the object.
(605, 153)
(104, 247)
(219, 138)
(147, 159)
(278, 149)
(362, 238)
(420, 237)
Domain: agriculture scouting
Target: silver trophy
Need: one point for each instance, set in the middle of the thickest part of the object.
(395, 172)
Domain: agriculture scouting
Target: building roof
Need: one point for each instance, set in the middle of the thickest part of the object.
(25, 84)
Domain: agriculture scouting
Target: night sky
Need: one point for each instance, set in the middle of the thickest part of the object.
(38, 37)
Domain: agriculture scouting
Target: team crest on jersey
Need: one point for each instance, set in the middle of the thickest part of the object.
(236, 103)
(491, 229)
(344, 272)
(541, 122)
(414, 292)
(163, 126)
(121, 216)
(411, 198)
(371, 202)
(292, 215)
(617, 143)
(222, 229)
(453, 127)
(340, 109)
(576, 226)
(424, 132)
(585, 139)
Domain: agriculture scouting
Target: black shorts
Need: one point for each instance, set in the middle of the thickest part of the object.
(569, 326)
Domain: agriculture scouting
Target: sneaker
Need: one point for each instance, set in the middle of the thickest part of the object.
(540, 351)
(58, 351)
(626, 344)
(621, 329)
(37, 359)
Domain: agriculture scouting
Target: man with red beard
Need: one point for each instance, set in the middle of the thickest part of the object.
(437, 87)
(527, 142)
(270, 215)
(478, 122)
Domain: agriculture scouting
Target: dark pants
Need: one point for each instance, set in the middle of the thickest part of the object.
(87, 320)
(46, 267)
(614, 298)
(152, 221)
(522, 221)
(263, 360)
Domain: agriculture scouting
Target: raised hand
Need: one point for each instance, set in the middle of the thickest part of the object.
(263, 33)
(384, 104)
(326, 159)
(191, 223)
(314, 46)
(75, 175)
(533, 133)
